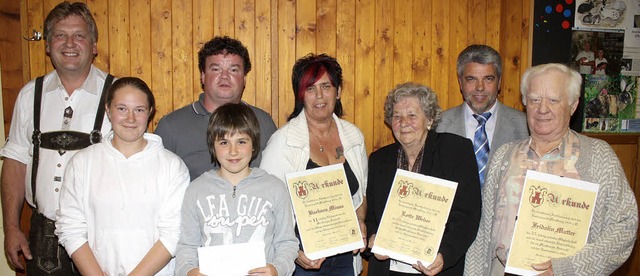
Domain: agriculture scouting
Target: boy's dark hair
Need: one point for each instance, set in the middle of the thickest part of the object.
(233, 118)
(224, 45)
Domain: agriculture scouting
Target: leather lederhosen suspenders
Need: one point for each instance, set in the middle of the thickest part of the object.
(62, 140)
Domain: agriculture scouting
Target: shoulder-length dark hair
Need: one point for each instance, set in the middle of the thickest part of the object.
(307, 71)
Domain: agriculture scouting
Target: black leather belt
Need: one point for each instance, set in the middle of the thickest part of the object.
(68, 139)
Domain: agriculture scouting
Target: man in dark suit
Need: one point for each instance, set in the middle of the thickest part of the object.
(479, 70)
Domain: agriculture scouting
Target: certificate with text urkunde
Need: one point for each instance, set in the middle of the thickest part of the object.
(324, 211)
(553, 220)
(414, 218)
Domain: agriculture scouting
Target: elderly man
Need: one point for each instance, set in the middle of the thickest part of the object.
(550, 93)
(585, 59)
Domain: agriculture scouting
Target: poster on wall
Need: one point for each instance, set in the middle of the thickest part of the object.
(611, 104)
(597, 52)
(631, 58)
(605, 14)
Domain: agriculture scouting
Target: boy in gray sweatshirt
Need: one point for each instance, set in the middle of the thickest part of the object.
(236, 203)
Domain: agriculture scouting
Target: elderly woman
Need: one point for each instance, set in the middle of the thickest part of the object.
(315, 136)
(412, 111)
(551, 93)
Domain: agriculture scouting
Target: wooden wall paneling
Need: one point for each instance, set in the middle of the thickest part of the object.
(525, 42)
(477, 23)
(345, 54)
(440, 32)
(161, 59)
(140, 29)
(315, 32)
(37, 55)
(306, 29)
(494, 17)
(275, 59)
(119, 38)
(403, 41)
(245, 32)
(182, 48)
(12, 75)
(100, 11)
(326, 27)
(384, 58)
(47, 5)
(223, 21)
(494, 23)
(422, 68)
(512, 17)
(459, 34)
(364, 75)
(24, 45)
(262, 60)
(287, 30)
(202, 32)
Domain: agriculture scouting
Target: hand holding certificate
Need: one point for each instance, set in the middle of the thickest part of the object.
(324, 211)
(553, 220)
(414, 218)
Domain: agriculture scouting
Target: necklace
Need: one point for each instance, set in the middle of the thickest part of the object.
(339, 149)
(316, 138)
(318, 142)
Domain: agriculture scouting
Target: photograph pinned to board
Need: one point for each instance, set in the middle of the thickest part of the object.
(605, 14)
(597, 52)
(631, 57)
(611, 104)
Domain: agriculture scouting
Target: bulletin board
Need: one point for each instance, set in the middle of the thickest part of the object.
(561, 28)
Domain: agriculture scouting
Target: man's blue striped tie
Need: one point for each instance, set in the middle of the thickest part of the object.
(481, 144)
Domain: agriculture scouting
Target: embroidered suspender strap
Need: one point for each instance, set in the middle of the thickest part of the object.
(62, 140)
(37, 100)
(95, 135)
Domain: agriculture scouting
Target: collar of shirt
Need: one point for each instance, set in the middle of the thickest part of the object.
(198, 106)
(564, 150)
(471, 123)
(89, 84)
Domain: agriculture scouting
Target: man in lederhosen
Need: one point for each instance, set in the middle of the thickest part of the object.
(54, 116)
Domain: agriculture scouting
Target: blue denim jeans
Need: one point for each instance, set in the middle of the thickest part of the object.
(338, 265)
(49, 257)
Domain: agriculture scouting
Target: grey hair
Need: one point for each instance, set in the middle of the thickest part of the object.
(573, 80)
(425, 95)
(482, 54)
